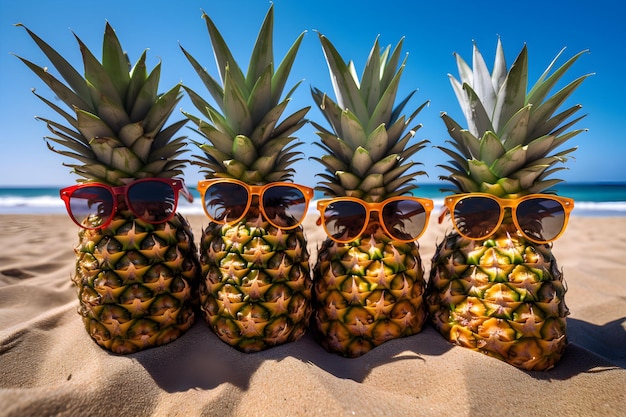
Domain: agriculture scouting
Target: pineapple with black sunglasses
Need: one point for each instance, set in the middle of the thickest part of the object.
(256, 286)
(369, 280)
(495, 285)
(136, 263)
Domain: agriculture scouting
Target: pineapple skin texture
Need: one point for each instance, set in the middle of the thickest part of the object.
(256, 287)
(366, 293)
(136, 282)
(503, 296)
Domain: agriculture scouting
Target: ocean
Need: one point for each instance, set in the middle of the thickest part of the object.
(591, 199)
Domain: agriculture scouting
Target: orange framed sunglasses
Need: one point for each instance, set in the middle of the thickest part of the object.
(92, 205)
(541, 218)
(402, 218)
(227, 201)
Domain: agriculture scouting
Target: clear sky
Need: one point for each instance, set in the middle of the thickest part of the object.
(432, 31)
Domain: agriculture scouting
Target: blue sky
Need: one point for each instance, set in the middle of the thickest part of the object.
(432, 32)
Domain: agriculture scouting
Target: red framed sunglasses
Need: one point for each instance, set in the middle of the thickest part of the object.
(154, 200)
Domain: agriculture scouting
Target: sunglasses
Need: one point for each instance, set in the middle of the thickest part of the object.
(227, 201)
(540, 218)
(402, 218)
(153, 200)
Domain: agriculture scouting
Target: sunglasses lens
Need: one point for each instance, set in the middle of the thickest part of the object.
(476, 217)
(404, 219)
(344, 220)
(541, 219)
(91, 206)
(284, 205)
(226, 202)
(152, 201)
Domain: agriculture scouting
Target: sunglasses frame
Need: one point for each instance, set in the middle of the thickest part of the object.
(258, 190)
(322, 205)
(178, 185)
(450, 203)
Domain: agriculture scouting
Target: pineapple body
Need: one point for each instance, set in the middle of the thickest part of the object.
(503, 296)
(256, 289)
(136, 282)
(367, 292)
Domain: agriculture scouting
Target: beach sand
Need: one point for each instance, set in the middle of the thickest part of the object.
(50, 366)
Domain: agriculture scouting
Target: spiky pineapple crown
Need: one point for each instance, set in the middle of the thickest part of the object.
(510, 146)
(247, 140)
(367, 150)
(116, 127)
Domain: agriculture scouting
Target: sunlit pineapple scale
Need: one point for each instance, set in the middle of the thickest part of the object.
(370, 290)
(136, 282)
(504, 295)
(256, 286)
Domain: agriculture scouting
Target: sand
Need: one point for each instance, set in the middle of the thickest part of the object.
(50, 366)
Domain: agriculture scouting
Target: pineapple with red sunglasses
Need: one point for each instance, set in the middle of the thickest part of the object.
(495, 286)
(136, 262)
(256, 286)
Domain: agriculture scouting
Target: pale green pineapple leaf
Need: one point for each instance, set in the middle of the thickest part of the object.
(115, 62)
(213, 86)
(73, 78)
(466, 75)
(468, 143)
(262, 58)
(515, 131)
(276, 145)
(174, 148)
(499, 72)
(543, 185)
(61, 90)
(395, 115)
(70, 143)
(208, 111)
(142, 147)
(91, 126)
(377, 143)
(346, 90)
(244, 150)
(348, 180)
(103, 147)
(562, 138)
(260, 100)
(279, 80)
(337, 146)
(222, 141)
(224, 58)
(330, 110)
(555, 124)
(528, 175)
(146, 96)
(383, 112)
(395, 130)
(512, 94)
(479, 123)
(112, 114)
(64, 132)
(264, 163)
(390, 63)
(372, 182)
(138, 76)
(511, 161)
(97, 78)
(371, 89)
(129, 133)
(397, 172)
(331, 163)
(401, 184)
(539, 148)
(124, 159)
(165, 136)
(481, 172)
(544, 111)
(462, 183)
(460, 160)
(481, 82)
(461, 97)
(385, 164)
(353, 132)
(161, 110)
(100, 173)
(511, 186)
(544, 84)
(361, 161)
(490, 148)
(68, 117)
(236, 110)
(292, 123)
(234, 168)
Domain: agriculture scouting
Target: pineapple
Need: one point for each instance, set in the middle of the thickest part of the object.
(136, 281)
(256, 286)
(504, 295)
(369, 290)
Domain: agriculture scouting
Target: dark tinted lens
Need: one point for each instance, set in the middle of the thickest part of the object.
(404, 219)
(541, 219)
(91, 206)
(344, 220)
(226, 202)
(476, 217)
(284, 205)
(152, 201)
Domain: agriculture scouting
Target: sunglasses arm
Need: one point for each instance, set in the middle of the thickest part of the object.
(444, 211)
(184, 191)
